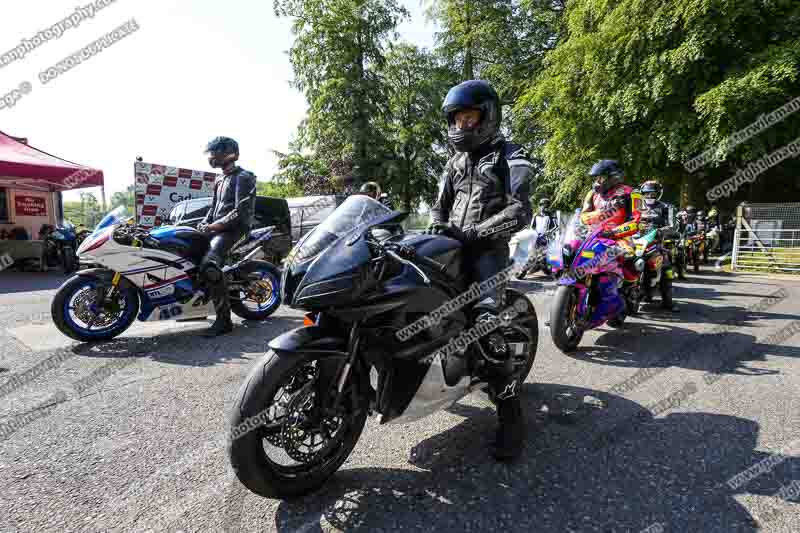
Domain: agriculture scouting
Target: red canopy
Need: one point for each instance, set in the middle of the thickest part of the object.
(24, 167)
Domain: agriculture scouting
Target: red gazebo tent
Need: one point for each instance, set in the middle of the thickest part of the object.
(24, 167)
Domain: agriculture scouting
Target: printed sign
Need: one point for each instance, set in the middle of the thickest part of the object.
(30, 206)
(160, 187)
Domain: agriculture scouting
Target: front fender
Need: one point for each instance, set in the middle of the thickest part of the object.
(310, 339)
(107, 276)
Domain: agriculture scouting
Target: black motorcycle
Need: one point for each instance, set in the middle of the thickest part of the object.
(301, 410)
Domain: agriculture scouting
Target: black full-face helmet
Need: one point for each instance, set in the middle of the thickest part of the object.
(651, 192)
(544, 204)
(371, 189)
(221, 151)
(473, 94)
(607, 174)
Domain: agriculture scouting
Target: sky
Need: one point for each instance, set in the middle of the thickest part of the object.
(193, 70)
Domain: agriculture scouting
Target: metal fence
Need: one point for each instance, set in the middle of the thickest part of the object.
(767, 238)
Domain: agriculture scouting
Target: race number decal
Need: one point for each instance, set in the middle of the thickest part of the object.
(168, 313)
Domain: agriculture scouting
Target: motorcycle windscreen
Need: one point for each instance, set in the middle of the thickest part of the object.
(567, 235)
(110, 219)
(328, 264)
(356, 213)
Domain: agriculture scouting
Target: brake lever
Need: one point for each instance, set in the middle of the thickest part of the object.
(419, 271)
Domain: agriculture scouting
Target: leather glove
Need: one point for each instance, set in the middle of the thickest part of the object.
(464, 235)
(436, 228)
(202, 227)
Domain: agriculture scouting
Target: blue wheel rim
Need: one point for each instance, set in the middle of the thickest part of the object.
(80, 327)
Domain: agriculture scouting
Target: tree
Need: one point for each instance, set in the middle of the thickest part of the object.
(504, 42)
(656, 83)
(337, 55)
(126, 199)
(415, 130)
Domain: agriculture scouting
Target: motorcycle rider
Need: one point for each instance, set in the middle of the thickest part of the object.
(545, 219)
(658, 215)
(611, 205)
(228, 220)
(483, 199)
(373, 190)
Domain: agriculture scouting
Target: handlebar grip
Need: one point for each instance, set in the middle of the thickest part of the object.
(430, 263)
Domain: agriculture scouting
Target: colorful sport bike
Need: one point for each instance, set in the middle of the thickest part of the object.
(154, 274)
(594, 287)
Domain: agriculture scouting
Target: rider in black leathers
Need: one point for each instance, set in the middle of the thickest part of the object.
(483, 199)
(657, 215)
(545, 212)
(228, 220)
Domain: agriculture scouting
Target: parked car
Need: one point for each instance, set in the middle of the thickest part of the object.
(308, 211)
(269, 212)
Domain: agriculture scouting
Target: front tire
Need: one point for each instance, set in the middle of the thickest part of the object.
(254, 468)
(696, 261)
(73, 310)
(563, 314)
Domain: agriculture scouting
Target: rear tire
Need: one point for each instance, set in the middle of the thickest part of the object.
(666, 291)
(247, 455)
(531, 324)
(69, 260)
(270, 274)
(563, 307)
(696, 261)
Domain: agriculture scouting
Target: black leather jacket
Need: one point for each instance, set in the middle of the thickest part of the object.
(486, 191)
(234, 202)
(656, 216)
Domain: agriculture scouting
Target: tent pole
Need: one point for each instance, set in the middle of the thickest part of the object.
(103, 195)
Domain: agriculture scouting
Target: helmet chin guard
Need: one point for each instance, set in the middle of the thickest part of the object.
(473, 94)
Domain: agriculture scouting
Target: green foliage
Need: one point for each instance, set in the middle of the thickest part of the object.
(278, 189)
(87, 211)
(126, 199)
(337, 56)
(654, 84)
(416, 150)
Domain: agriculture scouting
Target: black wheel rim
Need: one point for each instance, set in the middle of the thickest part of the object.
(297, 437)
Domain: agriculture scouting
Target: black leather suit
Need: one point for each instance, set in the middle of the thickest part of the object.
(233, 206)
(657, 216)
(490, 191)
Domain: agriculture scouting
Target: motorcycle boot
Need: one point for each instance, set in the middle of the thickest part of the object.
(503, 385)
(218, 289)
(504, 392)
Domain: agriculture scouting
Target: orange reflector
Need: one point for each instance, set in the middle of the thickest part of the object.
(309, 320)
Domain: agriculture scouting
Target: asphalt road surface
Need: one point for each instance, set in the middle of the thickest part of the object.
(127, 435)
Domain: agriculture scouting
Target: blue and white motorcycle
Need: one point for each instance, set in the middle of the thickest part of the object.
(154, 275)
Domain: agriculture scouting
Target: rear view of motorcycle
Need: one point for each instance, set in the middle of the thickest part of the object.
(374, 342)
(60, 246)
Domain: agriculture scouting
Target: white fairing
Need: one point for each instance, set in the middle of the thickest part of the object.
(434, 395)
(521, 246)
(157, 280)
